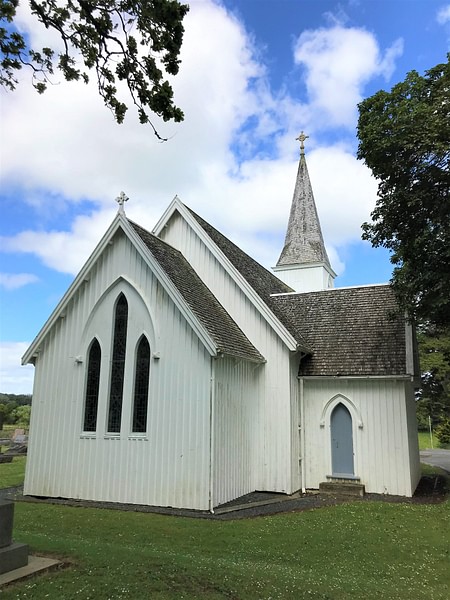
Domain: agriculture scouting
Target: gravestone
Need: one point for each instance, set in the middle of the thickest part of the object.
(12, 555)
(18, 433)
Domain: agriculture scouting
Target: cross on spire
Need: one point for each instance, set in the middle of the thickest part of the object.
(301, 138)
(121, 199)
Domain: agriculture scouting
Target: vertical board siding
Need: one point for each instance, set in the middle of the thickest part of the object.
(382, 446)
(413, 438)
(237, 421)
(169, 466)
(272, 466)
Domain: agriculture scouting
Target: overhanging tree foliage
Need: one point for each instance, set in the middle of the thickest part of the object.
(134, 41)
(404, 138)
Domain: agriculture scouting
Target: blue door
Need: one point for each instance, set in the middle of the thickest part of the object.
(342, 441)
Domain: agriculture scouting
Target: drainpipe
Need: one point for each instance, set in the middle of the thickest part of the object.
(302, 436)
(212, 394)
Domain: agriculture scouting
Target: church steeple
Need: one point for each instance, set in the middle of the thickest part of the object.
(304, 263)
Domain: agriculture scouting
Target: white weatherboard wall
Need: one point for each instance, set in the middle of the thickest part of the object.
(306, 278)
(414, 456)
(382, 443)
(237, 420)
(272, 466)
(170, 465)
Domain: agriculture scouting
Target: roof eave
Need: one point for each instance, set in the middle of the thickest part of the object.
(292, 266)
(243, 356)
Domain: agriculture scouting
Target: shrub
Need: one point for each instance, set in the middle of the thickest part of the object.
(443, 432)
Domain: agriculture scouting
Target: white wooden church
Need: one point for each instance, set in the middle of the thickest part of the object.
(177, 371)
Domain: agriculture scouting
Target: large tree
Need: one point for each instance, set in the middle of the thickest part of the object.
(404, 137)
(134, 41)
(434, 395)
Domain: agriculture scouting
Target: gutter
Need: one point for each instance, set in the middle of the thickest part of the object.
(212, 398)
(302, 436)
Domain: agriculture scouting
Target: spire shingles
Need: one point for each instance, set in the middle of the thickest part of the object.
(304, 241)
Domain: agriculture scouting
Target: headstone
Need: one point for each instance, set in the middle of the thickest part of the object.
(6, 523)
(18, 433)
(12, 555)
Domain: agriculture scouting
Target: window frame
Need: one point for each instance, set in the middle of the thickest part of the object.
(118, 361)
(88, 382)
(141, 379)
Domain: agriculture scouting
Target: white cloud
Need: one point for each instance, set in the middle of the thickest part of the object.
(13, 281)
(64, 146)
(345, 197)
(259, 202)
(64, 251)
(15, 379)
(443, 15)
(70, 144)
(338, 62)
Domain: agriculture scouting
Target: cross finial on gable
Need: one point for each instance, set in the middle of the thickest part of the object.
(121, 199)
(301, 138)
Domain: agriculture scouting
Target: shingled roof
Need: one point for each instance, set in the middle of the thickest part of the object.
(353, 331)
(346, 331)
(226, 334)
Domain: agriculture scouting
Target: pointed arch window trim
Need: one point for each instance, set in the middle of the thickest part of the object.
(349, 404)
(92, 387)
(141, 386)
(117, 371)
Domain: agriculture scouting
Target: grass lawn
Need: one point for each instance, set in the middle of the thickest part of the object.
(12, 473)
(425, 441)
(359, 550)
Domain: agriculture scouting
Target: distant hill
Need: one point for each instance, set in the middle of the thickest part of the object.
(17, 399)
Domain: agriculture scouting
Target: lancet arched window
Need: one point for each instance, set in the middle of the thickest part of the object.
(141, 381)
(118, 364)
(92, 387)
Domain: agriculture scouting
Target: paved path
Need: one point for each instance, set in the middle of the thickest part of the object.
(436, 458)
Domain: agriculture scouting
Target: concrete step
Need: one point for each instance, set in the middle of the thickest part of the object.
(342, 488)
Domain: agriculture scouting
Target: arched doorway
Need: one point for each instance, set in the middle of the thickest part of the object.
(341, 441)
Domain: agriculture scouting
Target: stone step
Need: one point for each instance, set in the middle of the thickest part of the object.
(342, 488)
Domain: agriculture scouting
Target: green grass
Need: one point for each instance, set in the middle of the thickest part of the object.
(425, 441)
(359, 550)
(12, 473)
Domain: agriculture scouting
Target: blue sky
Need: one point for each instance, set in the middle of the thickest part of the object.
(254, 74)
